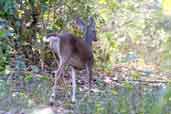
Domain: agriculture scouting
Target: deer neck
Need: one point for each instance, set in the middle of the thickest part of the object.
(88, 39)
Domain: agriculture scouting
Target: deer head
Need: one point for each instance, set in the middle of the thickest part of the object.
(89, 30)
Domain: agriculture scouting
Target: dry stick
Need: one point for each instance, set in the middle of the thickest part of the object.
(49, 6)
(145, 81)
(43, 45)
(54, 11)
(150, 81)
(55, 58)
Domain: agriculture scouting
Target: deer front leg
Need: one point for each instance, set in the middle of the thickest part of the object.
(89, 72)
(73, 84)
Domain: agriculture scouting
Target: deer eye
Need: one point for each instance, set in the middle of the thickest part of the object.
(94, 31)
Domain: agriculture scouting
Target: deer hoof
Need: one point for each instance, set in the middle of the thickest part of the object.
(73, 100)
(54, 72)
(51, 103)
(52, 99)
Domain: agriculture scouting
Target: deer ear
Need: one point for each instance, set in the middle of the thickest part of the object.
(80, 23)
(91, 21)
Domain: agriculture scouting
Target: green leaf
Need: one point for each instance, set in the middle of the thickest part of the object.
(128, 85)
(28, 78)
(136, 75)
(46, 78)
(2, 34)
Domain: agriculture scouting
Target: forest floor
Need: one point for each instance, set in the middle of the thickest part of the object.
(120, 77)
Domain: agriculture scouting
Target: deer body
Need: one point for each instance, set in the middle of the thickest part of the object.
(74, 52)
(67, 45)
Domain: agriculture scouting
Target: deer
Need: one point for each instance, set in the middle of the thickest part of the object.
(74, 52)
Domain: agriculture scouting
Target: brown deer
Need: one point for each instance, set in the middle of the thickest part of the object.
(73, 51)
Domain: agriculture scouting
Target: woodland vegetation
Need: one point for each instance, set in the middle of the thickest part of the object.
(132, 69)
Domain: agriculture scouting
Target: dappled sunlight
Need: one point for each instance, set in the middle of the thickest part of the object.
(166, 7)
(47, 110)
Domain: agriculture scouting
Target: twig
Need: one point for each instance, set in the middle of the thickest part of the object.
(145, 81)
(129, 80)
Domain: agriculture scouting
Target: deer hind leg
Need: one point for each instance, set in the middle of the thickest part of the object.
(54, 89)
(60, 70)
(73, 84)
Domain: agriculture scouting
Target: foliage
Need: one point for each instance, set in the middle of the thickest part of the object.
(135, 30)
(35, 92)
(126, 101)
(5, 45)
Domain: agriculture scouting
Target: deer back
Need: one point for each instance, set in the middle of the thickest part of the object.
(75, 47)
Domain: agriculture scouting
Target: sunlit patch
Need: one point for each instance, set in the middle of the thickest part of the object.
(166, 5)
(108, 80)
(45, 39)
(46, 110)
